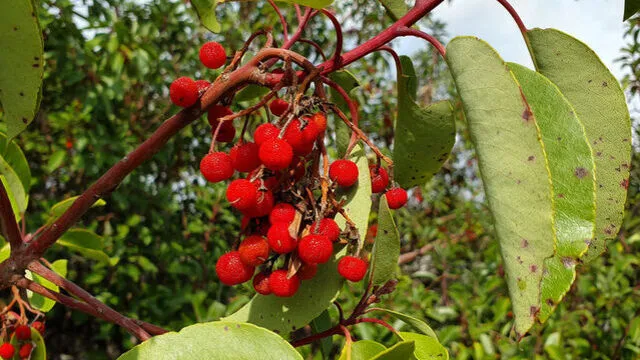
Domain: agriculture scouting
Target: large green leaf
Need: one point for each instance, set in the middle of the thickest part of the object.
(600, 104)
(38, 301)
(424, 137)
(572, 171)
(215, 340)
(402, 350)
(13, 155)
(12, 183)
(631, 7)
(21, 61)
(348, 82)
(362, 350)
(513, 167)
(395, 8)
(358, 197)
(59, 208)
(206, 10)
(86, 242)
(426, 347)
(416, 324)
(39, 351)
(386, 248)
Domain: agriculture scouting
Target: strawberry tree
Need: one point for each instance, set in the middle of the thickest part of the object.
(553, 147)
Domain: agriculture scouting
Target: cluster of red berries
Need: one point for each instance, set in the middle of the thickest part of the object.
(23, 334)
(278, 219)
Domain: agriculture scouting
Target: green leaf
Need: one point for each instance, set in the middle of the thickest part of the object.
(55, 160)
(206, 10)
(251, 92)
(22, 53)
(631, 7)
(402, 350)
(417, 324)
(215, 340)
(86, 242)
(348, 82)
(14, 156)
(426, 347)
(362, 350)
(320, 324)
(39, 351)
(58, 209)
(386, 248)
(5, 252)
(38, 301)
(572, 170)
(13, 185)
(395, 8)
(506, 136)
(600, 104)
(424, 137)
(316, 4)
(358, 197)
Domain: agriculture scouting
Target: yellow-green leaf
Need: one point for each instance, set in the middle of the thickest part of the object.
(402, 350)
(362, 350)
(38, 301)
(85, 242)
(386, 248)
(426, 347)
(206, 10)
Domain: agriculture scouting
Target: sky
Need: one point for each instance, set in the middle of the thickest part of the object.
(598, 23)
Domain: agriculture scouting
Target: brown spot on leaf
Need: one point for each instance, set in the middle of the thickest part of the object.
(533, 311)
(604, 84)
(531, 158)
(560, 196)
(35, 65)
(533, 268)
(15, 28)
(524, 243)
(599, 153)
(527, 114)
(581, 172)
(25, 120)
(21, 93)
(590, 81)
(550, 302)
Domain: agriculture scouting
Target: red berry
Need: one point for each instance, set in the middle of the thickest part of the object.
(396, 197)
(327, 227)
(301, 136)
(280, 239)
(231, 270)
(212, 55)
(253, 250)
(202, 85)
(281, 285)
(352, 268)
(344, 172)
(245, 156)
(282, 213)
(379, 179)
(265, 132)
(226, 133)
(69, 144)
(216, 112)
(25, 351)
(216, 167)
(278, 107)
(6, 351)
(261, 284)
(263, 205)
(315, 249)
(321, 122)
(23, 332)
(183, 92)
(276, 154)
(242, 194)
(307, 271)
(39, 326)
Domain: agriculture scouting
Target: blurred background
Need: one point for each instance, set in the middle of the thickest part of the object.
(108, 67)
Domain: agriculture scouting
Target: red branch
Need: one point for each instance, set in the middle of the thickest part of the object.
(405, 31)
(8, 226)
(285, 26)
(336, 58)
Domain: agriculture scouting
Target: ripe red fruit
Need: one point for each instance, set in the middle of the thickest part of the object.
(6, 351)
(301, 136)
(25, 351)
(265, 132)
(307, 271)
(183, 92)
(216, 112)
(280, 240)
(321, 122)
(327, 227)
(343, 172)
(352, 268)
(242, 194)
(315, 249)
(379, 179)
(278, 107)
(212, 55)
(231, 270)
(282, 213)
(244, 156)
(202, 85)
(281, 285)
(276, 154)
(23, 332)
(261, 284)
(396, 197)
(216, 167)
(39, 326)
(253, 250)
(226, 133)
(263, 205)
(69, 144)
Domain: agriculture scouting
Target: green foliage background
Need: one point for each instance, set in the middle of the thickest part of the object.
(108, 66)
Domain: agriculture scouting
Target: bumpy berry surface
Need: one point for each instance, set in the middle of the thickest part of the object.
(276, 154)
(202, 85)
(39, 326)
(6, 351)
(278, 107)
(244, 157)
(242, 194)
(281, 286)
(254, 250)
(25, 351)
(261, 284)
(216, 112)
(307, 271)
(263, 205)
(343, 172)
(265, 132)
(379, 179)
(23, 332)
(315, 249)
(352, 268)
(327, 227)
(213, 55)
(301, 136)
(226, 133)
(183, 92)
(396, 197)
(280, 240)
(282, 213)
(231, 270)
(321, 122)
(216, 167)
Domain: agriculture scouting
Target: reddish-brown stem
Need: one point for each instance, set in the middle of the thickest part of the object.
(285, 31)
(520, 24)
(336, 58)
(315, 46)
(8, 225)
(377, 321)
(394, 55)
(406, 31)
